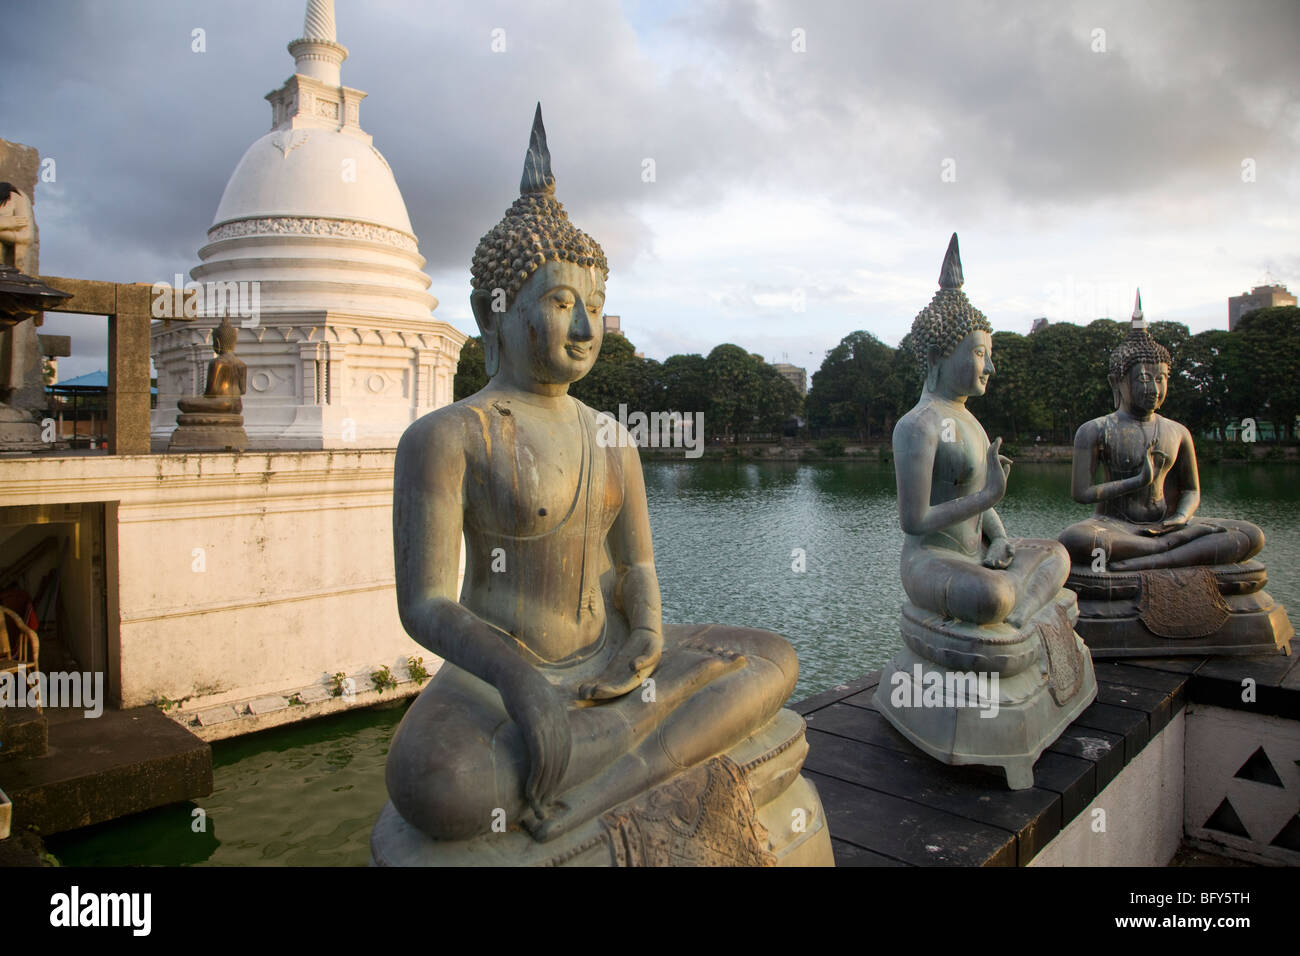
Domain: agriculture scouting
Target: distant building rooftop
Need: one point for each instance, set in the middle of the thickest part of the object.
(1260, 297)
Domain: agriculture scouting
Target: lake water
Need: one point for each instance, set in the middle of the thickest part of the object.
(726, 535)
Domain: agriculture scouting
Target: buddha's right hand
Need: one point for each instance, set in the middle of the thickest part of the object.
(1151, 464)
(997, 470)
(535, 706)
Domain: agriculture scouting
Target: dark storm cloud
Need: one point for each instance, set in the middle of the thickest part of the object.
(146, 132)
(1015, 94)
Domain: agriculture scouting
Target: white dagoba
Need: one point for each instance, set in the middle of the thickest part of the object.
(344, 351)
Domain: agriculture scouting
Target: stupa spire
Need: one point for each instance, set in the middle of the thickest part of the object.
(950, 276)
(319, 22)
(318, 53)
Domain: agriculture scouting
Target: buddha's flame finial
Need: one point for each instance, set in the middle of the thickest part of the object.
(537, 176)
(1139, 321)
(950, 276)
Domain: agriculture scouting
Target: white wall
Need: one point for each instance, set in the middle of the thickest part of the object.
(297, 557)
(1142, 809)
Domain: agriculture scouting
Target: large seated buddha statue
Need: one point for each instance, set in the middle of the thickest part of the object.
(568, 723)
(1153, 578)
(214, 421)
(991, 670)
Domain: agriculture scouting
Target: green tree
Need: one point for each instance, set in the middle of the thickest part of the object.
(857, 386)
(776, 401)
(1211, 383)
(1010, 407)
(685, 383)
(1180, 403)
(1060, 376)
(733, 384)
(618, 377)
(470, 373)
(1270, 353)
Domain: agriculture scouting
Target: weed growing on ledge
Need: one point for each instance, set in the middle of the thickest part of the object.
(339, 678)
(383, 679)
(415, 666)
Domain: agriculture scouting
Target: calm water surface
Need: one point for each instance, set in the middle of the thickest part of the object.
(726, 536)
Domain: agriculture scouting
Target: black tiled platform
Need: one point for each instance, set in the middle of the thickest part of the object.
(888, 804)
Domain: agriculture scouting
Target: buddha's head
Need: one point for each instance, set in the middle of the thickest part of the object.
(225, 336)
(1139, 368)
(539, 283)
(952, 339)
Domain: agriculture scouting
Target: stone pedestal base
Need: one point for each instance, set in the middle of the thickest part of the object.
(747, 807)
(18, 432)
(1180, 611)
(995, 696)
(214, 436)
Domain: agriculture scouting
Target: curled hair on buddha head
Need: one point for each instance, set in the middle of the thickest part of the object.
(535, 230)
(949, 317)
(225, 336)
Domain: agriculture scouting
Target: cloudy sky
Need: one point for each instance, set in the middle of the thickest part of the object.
(810, 159)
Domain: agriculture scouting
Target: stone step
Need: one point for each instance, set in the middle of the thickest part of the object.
(98, 769)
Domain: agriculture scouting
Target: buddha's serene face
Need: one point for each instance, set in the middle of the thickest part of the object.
(966, 370)
(552, 333)
(1144, 388)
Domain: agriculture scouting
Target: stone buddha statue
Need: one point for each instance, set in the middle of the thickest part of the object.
(566, 715)
(978, 601)
(1151, 576)
(215, 420)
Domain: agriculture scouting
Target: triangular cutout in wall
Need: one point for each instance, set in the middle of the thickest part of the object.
(1260, 769)
(1289, 836)
(1225, 820)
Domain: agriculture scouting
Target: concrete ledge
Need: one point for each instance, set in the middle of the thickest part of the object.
(289, 706)
(99, 769)
(23, 733)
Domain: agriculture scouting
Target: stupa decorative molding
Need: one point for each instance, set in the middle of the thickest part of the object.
(313, 226)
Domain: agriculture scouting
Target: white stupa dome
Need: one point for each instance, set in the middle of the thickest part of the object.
(300, 173)
(313, 247)
(312, 212)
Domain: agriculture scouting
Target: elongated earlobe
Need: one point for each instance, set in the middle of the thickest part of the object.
(489, 326)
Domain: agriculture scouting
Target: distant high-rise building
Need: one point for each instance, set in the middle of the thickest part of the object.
(1039, 323)
(796, 376)
(612, 324)
(1260, 297)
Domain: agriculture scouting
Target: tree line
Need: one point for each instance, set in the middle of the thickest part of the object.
(1046, 384)
(740, 395)
(1049, 382)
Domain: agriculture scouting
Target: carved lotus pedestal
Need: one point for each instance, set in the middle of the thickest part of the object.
(747, 807)
(991, 695)
(1179, 611)
(209, 426)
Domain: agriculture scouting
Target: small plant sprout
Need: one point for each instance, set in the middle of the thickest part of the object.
(383, 679)
(415, 667)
